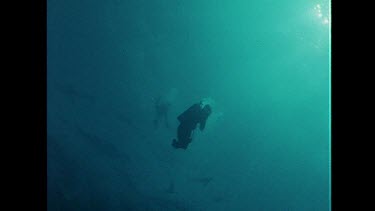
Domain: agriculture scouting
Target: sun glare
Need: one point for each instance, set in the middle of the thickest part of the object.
(323, 17)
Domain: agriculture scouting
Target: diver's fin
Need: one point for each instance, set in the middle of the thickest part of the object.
(178, 145)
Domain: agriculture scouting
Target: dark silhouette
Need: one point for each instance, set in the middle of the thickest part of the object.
(161, 110)
(189, 119)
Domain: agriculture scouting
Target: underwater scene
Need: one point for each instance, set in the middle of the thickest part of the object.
(193, 105)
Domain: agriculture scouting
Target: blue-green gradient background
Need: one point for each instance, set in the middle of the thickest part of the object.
(264, 64)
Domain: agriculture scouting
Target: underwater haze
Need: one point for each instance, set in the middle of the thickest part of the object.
(263, 66)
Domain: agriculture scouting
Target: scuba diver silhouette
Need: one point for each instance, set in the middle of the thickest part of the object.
(189, 119)
(161, 109)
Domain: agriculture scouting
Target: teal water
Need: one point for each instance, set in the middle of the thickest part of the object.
(263, 65)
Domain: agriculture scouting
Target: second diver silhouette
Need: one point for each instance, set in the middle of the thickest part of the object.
(189, 119)
(161, 110)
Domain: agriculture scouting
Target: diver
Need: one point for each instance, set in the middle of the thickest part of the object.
(161, 111)
(197, 113)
